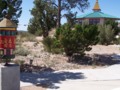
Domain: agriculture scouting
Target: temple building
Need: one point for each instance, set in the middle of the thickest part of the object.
(96, 17)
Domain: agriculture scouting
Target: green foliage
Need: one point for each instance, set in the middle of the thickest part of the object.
(77, 40)
(114, 25)
(10, 9)
(64, 6)
(44, 18)
(106, 35)
(52, 45)
(71, 18)
(48, 43)
(33, 27)
(108, 31)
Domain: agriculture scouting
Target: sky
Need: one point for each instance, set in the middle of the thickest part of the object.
(111, 7)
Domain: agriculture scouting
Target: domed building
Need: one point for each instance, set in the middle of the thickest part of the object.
(95, 17)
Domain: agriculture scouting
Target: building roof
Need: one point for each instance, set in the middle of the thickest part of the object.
(7, 23)
(97, 13)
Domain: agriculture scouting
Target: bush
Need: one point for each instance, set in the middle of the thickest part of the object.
(52, 45)
(21, 51)
(25, 36)
(48, 42)
(114, 25)
(56, 47)
(106, 35)
(38, 33)
(77, 40)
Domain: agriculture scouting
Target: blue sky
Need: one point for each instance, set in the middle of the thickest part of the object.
(111, 7)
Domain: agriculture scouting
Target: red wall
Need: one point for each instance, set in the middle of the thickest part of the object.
(7, 42)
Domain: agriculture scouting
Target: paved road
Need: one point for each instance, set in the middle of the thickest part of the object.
(89, 85)
(94, 79)
(86, 79)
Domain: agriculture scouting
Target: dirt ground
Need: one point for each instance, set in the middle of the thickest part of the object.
(32, 88)
(60, 62)
(102, 49)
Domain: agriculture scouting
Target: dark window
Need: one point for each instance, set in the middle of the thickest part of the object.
(3, 33)
(94, 21)
(13, 33)
(7, 33)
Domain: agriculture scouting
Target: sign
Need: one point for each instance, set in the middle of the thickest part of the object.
(7, 42)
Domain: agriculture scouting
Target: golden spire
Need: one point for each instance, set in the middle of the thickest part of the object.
(96, 6)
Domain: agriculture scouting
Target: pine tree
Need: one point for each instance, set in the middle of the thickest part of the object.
(77, 40)
(68, 5)
(44, 17)
(10, 9)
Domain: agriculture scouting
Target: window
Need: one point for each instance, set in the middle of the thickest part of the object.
(94, 21)
(7, 33)
(13, 33)
(3, 33)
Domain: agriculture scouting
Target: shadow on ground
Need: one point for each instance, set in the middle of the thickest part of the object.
(49, 79)
(96, 59)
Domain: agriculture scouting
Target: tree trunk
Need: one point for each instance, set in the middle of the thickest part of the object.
(70, 58)
(45, 34)
(59, 14)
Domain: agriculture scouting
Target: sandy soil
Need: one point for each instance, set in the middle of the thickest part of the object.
(101, 49)
(32, 88)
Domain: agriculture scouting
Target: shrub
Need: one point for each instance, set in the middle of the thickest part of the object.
(21, 51)
(77, 40)
(38, 33)
(56, 47)
(106, 35)
(114, 25)
(48, 42)
(25, 36)
(52, 45)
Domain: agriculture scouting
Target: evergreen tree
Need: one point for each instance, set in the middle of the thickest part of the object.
(68, 5)
(10, 9)
(71, 18)
(44, 17)
(77, 40)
